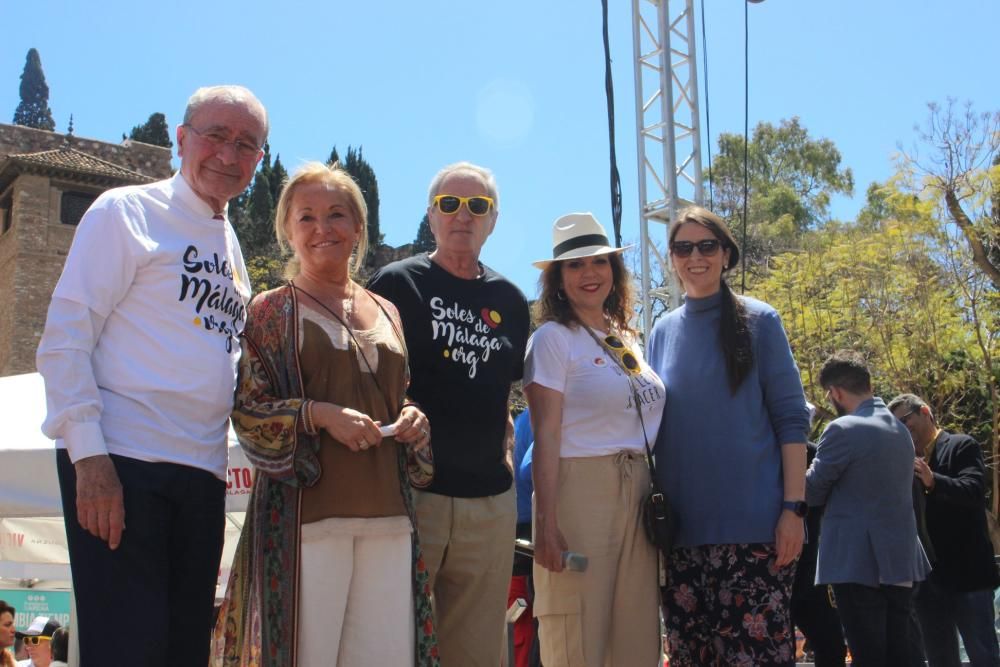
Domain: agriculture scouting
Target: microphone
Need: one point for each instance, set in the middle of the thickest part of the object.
(572, 561)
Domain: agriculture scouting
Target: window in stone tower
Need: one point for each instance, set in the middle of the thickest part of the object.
(6, 212)
(74, 205)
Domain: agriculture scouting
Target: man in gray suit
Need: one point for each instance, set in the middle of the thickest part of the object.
(863, 473)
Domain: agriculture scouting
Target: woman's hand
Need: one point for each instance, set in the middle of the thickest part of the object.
(412, 427)
(549, 544)
(788, 537)
(355, 430)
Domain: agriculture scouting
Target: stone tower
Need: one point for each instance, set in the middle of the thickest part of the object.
(47, 181)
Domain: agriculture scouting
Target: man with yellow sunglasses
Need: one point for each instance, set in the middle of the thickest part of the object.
(466, 328)
(38, 641)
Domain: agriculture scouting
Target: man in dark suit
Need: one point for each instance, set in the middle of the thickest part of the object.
(869, 553)
(957, 598)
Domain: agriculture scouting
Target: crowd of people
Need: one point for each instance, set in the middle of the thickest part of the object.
(383, 515)
(44, 643)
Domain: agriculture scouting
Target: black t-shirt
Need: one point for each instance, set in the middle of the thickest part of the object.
(466, 340)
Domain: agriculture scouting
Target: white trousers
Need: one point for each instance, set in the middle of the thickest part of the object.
(356, 593)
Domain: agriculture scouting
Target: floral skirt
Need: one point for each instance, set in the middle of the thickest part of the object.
(728, 604)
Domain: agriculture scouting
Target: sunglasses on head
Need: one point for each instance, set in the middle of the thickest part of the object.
(479, 205)
(35, 640)
(707, 247)
(618, 348)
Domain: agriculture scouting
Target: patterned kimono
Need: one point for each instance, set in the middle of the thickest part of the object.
(258, 624)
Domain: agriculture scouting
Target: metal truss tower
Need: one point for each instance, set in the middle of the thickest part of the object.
(668, 132)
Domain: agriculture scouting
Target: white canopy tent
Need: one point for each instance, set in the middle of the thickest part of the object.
(32, 537)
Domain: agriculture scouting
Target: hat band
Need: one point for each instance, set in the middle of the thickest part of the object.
(579, 242)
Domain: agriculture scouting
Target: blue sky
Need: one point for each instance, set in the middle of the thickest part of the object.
(517, 86)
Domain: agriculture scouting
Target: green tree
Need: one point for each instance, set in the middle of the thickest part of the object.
(257, 220)
(355, 164)
(277, 179)
(424, 242)
(962, 171)
(881, 291)
(791, 178)
(33, 110)
(956, 170)
(154, 131)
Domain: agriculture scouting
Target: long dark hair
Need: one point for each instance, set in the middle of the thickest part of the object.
(551, 307)
(734, 325)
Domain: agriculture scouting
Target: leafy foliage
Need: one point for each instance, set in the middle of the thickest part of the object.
(356, 165)
(33, 110)
(154, 131)
(791, 180)
(424, 242)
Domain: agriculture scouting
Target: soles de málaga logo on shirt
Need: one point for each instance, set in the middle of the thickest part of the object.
(468, 336)
(217, 307)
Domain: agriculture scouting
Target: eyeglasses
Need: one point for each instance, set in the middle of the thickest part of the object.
(478, 206)
(217, 140)
(707, 247)
(619, 349)
(35, 640)
(906, 418)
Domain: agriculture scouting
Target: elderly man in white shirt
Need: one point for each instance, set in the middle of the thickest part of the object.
(139, 357)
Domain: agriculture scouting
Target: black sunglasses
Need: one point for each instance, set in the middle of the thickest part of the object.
(707, 247)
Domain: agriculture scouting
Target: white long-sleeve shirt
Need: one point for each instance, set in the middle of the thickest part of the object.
(141, 343)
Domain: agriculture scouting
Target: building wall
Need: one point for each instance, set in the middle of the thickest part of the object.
(148, 160)
(33, 251)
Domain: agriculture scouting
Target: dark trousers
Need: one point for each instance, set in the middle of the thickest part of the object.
(876, 623)
(944, 613)
(820, 624)
(150, 602)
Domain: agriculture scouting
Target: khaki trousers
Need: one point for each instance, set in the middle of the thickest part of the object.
(468, 546)
(607, 616)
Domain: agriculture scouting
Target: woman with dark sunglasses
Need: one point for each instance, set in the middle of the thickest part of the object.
(583, 375)
(732, 459)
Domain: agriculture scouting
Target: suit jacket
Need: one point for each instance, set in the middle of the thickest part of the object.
(956, 516)
(863, 473)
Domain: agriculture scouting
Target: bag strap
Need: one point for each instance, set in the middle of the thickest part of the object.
(635, 399)
(357, 345)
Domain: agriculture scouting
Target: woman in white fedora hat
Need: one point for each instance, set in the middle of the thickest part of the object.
(583, 373)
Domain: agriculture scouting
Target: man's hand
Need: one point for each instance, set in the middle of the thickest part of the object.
(99, 505)
(924, 472)
(788, 537)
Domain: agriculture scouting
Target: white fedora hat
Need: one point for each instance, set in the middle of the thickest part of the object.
(578, 235)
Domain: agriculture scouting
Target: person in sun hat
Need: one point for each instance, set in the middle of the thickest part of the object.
(466, 327)
(38, 641)
(732, 455)
(583, 374)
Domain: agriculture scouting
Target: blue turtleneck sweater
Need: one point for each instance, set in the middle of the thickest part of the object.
(718, 454)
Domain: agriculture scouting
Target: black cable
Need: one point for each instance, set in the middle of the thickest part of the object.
(609, 90)
(746, 140)
(708, 114)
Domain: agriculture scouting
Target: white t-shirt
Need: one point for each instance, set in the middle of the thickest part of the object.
(142, 343)
(599, 417)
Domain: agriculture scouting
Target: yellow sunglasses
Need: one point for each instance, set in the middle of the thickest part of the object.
(35, 640)
(478, 205)
(616, 346)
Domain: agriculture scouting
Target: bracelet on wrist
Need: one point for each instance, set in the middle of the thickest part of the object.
(307, 418)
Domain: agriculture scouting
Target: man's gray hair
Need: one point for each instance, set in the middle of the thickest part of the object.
(230, 94)
(465, 168)
(908, 403)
